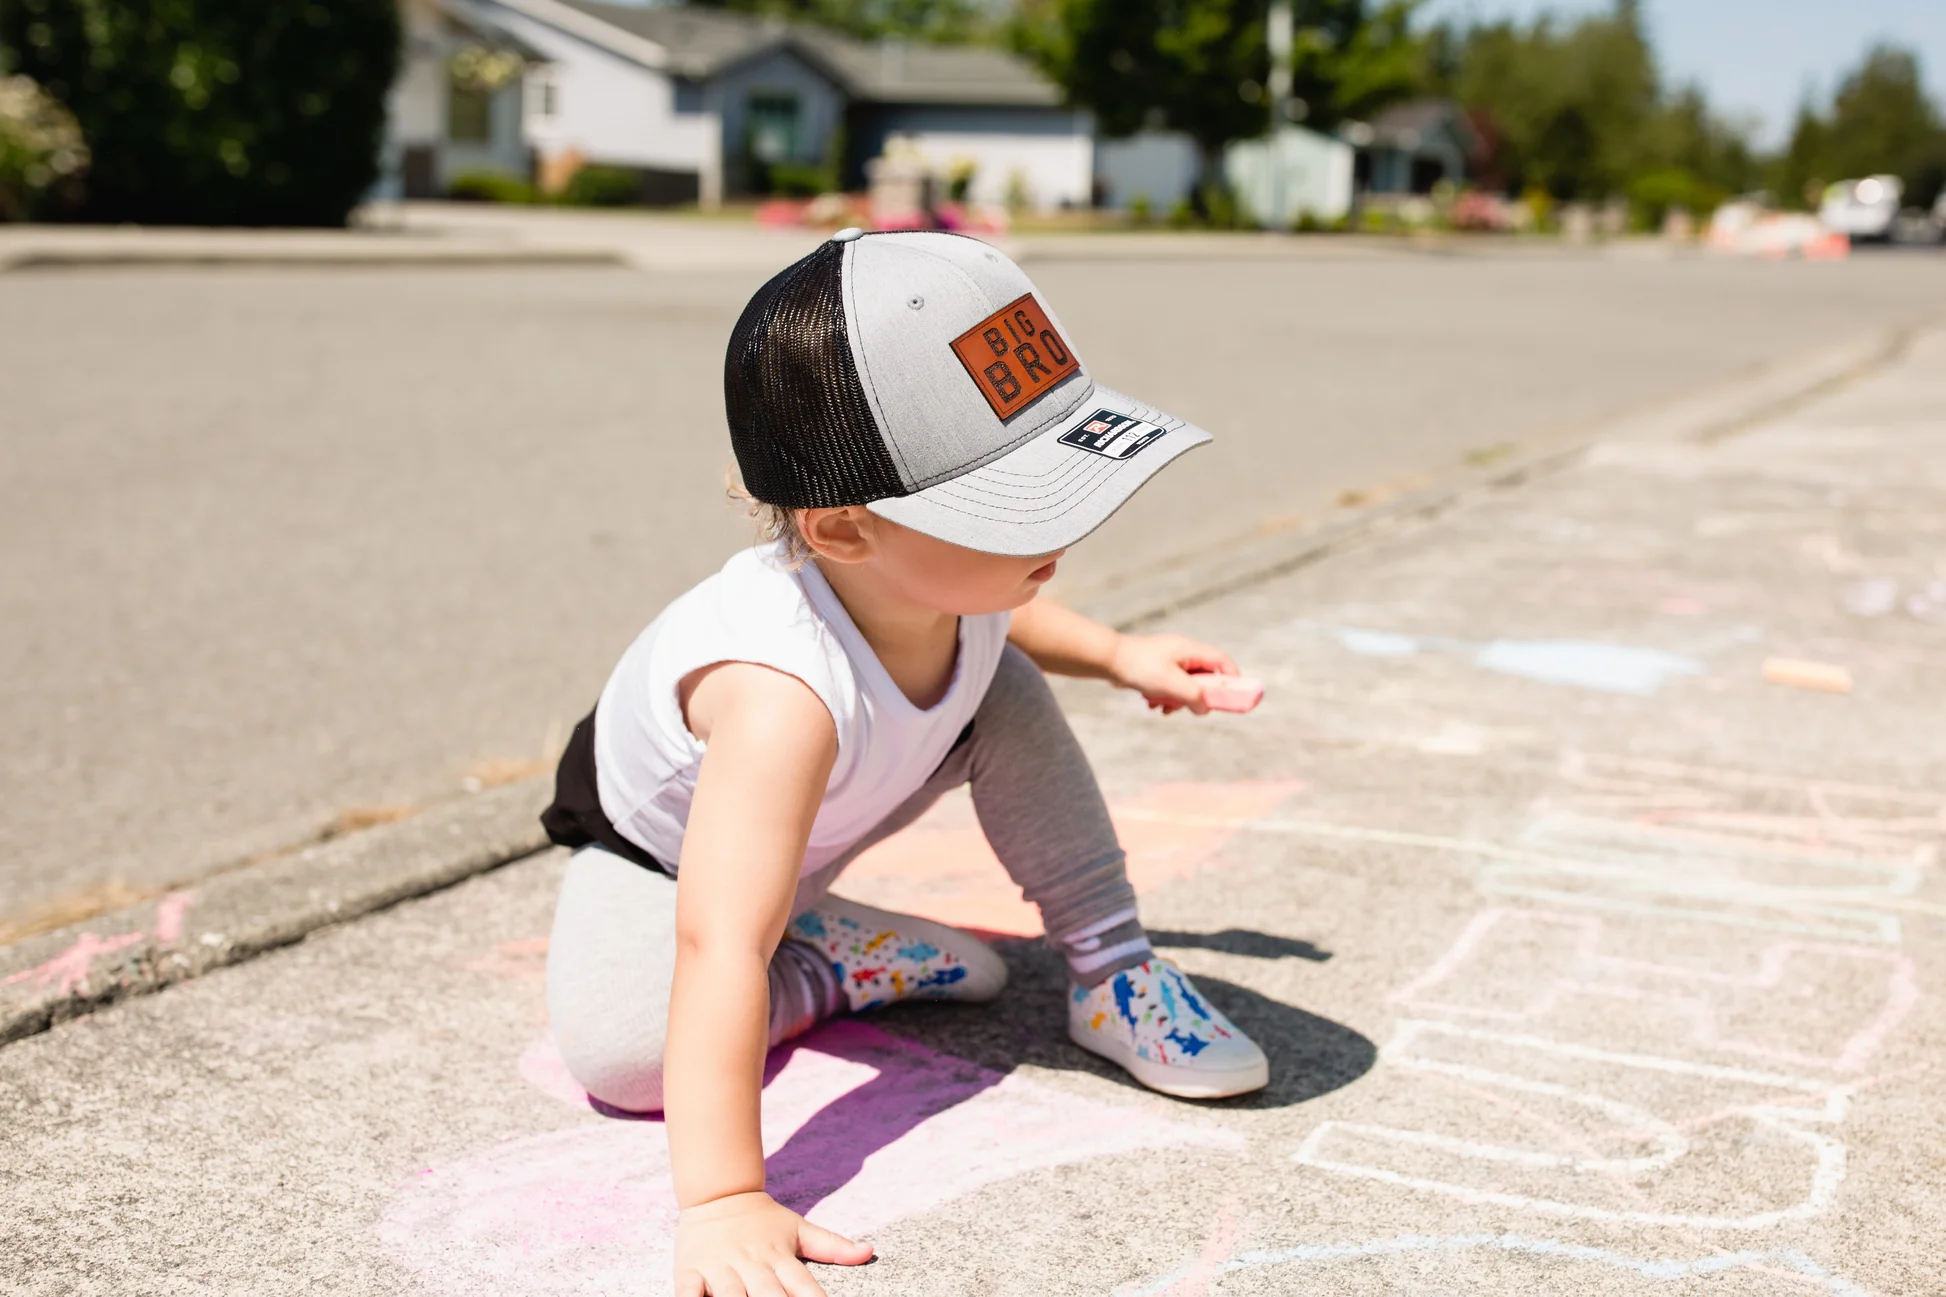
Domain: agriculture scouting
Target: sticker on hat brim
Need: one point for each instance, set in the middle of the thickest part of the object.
(1118, 436)
(1014, 356)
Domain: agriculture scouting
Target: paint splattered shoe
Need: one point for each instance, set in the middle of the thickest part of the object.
(1151, 1020)
(881, 957)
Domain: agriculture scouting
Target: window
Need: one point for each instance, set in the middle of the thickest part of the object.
(469, 116)
(772, 131)
(543, 95)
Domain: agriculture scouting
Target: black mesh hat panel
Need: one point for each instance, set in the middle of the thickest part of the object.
(803, 434)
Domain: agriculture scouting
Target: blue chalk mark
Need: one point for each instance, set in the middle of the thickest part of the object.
(1660, 1269)
(1610, 668)
(1376, 643)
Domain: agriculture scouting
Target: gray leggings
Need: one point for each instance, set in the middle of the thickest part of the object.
(613, 952)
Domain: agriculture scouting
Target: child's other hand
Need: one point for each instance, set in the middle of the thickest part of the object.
(1162, 669)
(748, 1245)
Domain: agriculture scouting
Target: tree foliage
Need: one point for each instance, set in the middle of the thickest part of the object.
(1880, 123)
(250, 112)
(1201, 66)
(924, 20)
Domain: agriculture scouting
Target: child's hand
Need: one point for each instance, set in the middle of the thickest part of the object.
(1161, 668)
(747, 1245)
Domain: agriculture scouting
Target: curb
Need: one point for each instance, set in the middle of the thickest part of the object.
(122, 254)
(232, 917)
(1708, 415)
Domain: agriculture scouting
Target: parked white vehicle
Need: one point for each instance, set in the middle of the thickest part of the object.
(1863, 209)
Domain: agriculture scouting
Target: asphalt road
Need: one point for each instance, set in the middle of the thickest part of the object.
(1590, 959)
(282, 549)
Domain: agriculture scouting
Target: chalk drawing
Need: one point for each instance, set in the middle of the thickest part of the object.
(70, 969)
(1479, 1252)
(1386, 1153)
(942, 868)
(169, 914)
(861, 1129)
(1585, 664)
(1463, 982)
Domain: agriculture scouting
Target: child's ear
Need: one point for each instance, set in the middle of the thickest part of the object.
(843, 535)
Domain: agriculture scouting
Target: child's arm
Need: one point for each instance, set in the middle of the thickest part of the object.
(1168, 670)
(771, 745)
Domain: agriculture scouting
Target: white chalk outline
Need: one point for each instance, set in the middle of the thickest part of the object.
(1827, 1174)
(1716, 1263)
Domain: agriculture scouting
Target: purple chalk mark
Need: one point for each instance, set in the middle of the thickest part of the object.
(861, 1129)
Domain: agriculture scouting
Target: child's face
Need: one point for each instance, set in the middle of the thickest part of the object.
(929, 572)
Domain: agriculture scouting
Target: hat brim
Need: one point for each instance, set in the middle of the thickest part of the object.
(1048, 494)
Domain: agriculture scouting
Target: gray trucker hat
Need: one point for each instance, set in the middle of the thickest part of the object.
(921, 374)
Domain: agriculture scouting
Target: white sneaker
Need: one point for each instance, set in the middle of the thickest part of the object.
(881, 957)
(1152, 1020)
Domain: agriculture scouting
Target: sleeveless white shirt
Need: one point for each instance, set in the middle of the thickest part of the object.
(759, 610)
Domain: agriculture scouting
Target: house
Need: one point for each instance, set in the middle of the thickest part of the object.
(459, 102)
(706, 104)
(1413, 146)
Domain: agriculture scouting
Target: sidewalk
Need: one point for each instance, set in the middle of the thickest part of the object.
(1595, 943)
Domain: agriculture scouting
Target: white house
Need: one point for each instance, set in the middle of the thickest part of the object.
(705, 104)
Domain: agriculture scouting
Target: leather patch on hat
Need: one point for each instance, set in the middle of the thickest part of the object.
(1014, 356)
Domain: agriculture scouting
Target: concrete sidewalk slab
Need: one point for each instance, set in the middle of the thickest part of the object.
(1588, 961)
(142, 947)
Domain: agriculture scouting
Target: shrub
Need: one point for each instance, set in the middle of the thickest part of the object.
(490, 187)
(597, 185)
(1654, 194)
(798, 179)
(42, 157)
(1140, 210)
(221, 112)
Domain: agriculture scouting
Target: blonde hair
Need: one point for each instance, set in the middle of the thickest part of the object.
(774, 522)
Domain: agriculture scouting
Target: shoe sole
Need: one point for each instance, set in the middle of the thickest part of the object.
(986, 972)
(1176, 1082)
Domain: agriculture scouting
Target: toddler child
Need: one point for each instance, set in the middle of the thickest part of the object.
(925, 444)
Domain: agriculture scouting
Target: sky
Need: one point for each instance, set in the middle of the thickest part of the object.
(1756, 58)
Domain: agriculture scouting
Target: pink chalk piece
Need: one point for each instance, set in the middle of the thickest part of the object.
(1232, 693)
(861, 1129)
(169, 912)
(69, 969)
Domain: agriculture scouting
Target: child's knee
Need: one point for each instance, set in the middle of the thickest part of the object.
(621, 1071)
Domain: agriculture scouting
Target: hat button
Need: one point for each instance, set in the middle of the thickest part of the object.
(847, 234)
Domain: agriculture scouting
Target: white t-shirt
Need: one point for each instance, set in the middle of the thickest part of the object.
(758, 610)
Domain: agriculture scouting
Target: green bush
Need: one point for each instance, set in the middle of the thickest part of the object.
(42, 157)
(598, 185)
(219, 112)
(1654, 194)
(798, 179)
(1140, 210)
(490, 187)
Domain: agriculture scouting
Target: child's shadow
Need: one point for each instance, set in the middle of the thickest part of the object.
(1309, 1055)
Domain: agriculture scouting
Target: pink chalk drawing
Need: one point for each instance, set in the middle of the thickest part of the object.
(1468, 980)
(70, 970)
(169, 914)
(942, 868)
(521, 960)
(861, 1130)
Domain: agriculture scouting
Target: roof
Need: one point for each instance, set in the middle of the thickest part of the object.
(1403, 126)
(705, 43)
(471, 19)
